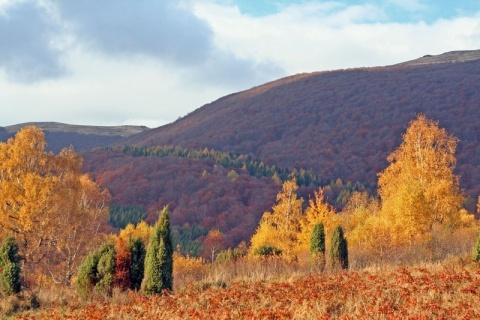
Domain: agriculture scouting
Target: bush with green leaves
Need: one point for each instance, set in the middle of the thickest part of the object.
(137, 249)
(10, 267)
(317, 246)
(338, 249)
(97, 271)
(158, 274)
(267, 251)
(317, 240)
(228, 255)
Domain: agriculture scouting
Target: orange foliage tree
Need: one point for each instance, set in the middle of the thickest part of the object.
(280, 228)
(141, 230)
(419, 189)
(123, 261)
(54, 211)
(318, 211)
(214, 242)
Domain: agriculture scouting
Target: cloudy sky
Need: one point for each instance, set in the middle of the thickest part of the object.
(115, 62)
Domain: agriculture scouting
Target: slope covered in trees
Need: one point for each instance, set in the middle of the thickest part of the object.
(342, 124)
(203, 188)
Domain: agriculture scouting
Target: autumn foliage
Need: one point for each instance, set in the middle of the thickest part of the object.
(419, 188)
(280, 228)
(54, 211)
(447, 291)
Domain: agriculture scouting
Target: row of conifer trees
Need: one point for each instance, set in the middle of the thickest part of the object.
(131, 265)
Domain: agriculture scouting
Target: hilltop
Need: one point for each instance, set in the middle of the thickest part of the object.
(81, 137)
(342, 124)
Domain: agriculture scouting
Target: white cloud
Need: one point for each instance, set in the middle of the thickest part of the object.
(312, 37)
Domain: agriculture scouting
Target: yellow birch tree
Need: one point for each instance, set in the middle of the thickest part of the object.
(53, 210)
(280, 228)
(318, 211)
(419, 189)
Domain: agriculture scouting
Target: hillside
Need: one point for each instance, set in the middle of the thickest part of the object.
(342, 124)
(82, 138)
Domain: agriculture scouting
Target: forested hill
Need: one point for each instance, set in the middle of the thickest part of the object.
(82, 138)
(340, 123)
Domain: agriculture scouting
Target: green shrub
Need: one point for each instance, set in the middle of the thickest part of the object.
(137, 248)
(106, 270)
(10, 267)
(339, 249)
(267, 251)
(97, 271)
(228, 255)
(317, 240)
(158, 275)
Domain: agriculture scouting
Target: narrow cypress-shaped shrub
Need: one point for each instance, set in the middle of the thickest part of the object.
(106, 270)
(158, 274)
(476, 250)
(137, 249)
(338, 249)
(317, 246)
(10, 267)
(166, 251)
(87, 275)
(317, 240)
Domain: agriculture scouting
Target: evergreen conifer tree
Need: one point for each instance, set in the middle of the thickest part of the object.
(97, 271)
(87, 275)
(339, 249)
(137, 248)
(106, 269)
(317, 246)
(9, 267)
(317, 241)
(158, 274)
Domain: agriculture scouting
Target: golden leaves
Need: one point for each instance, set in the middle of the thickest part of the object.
(281, 227)
(48, 204)
(419, 187)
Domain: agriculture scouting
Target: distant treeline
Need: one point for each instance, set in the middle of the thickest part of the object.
(121, 215)
(337, 192)
(255, 167)
(189, 238)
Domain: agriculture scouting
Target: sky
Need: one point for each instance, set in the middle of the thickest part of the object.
(150, 62)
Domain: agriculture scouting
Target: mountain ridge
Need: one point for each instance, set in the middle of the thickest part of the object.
(81, 137)
(447, 57)
(356, 116)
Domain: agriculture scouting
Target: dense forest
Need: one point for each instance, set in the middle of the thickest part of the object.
(203, 188)
(221, 166)
(342, 124)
